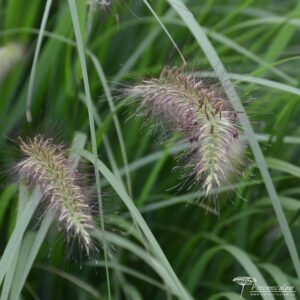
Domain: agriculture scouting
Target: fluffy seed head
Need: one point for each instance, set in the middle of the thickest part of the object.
(46, 166)
(205, 119)
(103, 4)
(10, 55)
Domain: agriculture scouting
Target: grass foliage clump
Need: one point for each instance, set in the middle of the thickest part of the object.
(62, 64)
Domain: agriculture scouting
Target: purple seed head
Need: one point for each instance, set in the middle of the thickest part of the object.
(46, 166)
(203, 116)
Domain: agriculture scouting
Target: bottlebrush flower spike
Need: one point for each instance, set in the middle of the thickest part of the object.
(46, 166)
(205, 119)
(104, 4)
(10, 55)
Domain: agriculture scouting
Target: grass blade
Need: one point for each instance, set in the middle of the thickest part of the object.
(86, 287)
(138, 218)
(35, 59)
(103, 80)
(74, 15)
(229, 89)
(18, 232)
(165, 30)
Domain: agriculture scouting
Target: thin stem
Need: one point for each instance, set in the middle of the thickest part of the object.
(35, 60)
(74, 14)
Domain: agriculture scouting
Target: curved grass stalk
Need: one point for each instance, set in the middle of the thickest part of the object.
(35, 59)
(139, 220)
(166, 31)
(112, 106)
(224, 78)
(74, 15)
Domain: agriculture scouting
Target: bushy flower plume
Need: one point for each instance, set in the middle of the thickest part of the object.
(203, 116)
(10, 55)
(103, 4)
(45, 165)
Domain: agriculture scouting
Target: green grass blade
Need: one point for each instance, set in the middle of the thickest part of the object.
(153, 262)
(155, 172)
(138, 218)
(101, 134)
(227, 295)
(35, 59)
(135, 56)
(287, 203)
(5, 198)
(84, 286)
(280, 278)
(226, 41)
(216, 63)
(242, 50)
(249, 266)
(9, 277)
(165, 30)
(277, 20)
(261, 81)
(279, 165)
(74, 15)
(25, 263)
(131, 272)
(17, 235)
(103, 80)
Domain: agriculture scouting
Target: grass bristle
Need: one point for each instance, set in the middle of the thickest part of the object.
(205, 119)
(46, 166)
